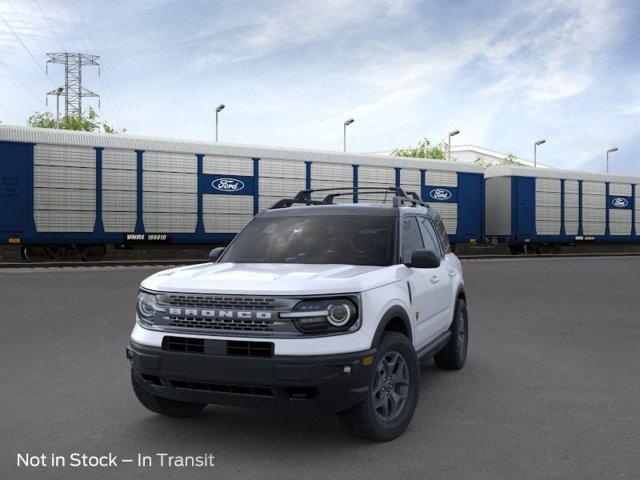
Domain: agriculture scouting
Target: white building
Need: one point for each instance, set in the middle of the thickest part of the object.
(469, 154)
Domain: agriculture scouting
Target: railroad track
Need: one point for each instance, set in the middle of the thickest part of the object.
(181, 262)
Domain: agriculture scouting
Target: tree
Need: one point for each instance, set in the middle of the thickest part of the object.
(88, 123)
(510, 159)
(425, 149)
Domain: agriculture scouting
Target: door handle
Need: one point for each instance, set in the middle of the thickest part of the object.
(435, 279)
(452, 273)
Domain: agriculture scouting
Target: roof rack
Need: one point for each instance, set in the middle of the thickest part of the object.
(303, 197)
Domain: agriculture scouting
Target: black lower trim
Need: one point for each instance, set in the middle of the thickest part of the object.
(430, 349)
(325, 383)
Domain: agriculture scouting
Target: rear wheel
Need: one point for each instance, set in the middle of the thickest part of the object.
(454, 354)
(392, 395)
(164, 406)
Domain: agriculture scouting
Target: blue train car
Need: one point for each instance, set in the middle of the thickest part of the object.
(541, 210)
(73, 193)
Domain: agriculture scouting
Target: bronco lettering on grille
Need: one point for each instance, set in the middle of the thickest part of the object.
(212, 313)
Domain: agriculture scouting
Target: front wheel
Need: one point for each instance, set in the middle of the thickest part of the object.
(392, 395)
(454, 354)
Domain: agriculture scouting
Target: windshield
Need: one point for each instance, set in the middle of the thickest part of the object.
(324, 239)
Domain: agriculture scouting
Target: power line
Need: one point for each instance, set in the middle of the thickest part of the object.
(27, 49)
(85, 23)
(112, 99)
(26, 27)
(20, 80)
(50, 27)
(73, 22)
(12, 113)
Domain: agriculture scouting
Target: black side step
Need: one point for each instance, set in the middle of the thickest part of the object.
(430, 349)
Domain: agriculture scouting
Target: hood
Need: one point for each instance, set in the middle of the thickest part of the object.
(271, 278)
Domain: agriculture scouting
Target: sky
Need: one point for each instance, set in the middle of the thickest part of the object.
(505, 73)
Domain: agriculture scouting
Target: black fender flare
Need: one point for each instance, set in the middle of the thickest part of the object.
(395, 311)
(460, 294)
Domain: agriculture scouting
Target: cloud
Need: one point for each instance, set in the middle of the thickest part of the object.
(291, 72)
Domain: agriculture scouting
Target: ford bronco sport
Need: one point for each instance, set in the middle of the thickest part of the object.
(313, 306)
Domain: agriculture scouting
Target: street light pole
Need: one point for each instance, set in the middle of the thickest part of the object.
(611, 150)
(59, 90)
(535, 152)
(219, 108)
(451, 134)
(344, 133)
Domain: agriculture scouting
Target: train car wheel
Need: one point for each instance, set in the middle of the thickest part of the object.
(93, 253)
(556, 248)
(515, 249)
(34, 253)
(545, 248)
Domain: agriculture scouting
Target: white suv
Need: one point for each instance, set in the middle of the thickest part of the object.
(313, 306)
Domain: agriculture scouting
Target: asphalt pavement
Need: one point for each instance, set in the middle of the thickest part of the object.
(551, 388)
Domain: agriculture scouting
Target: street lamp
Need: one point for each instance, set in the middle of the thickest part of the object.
(535, 151)
(59, 91)
(451, 134)
(344, 135)
(611, 150)
(218, 110)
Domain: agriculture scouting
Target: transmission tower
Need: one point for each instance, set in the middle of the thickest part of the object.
(73, 91)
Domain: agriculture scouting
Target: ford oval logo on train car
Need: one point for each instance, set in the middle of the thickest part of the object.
(440, 194)
(227, 184)
(620, 202)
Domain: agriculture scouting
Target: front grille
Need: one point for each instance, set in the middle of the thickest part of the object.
(219, 314)
(250, 349)
(224, 388)
(222, 301)
(228, 324)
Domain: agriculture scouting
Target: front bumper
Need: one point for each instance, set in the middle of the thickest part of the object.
(323, 383)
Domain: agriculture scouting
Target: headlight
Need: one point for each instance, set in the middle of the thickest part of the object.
(147, 306)
(327, 315)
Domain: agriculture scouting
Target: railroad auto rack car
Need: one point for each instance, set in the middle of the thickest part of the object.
(66, 193)
(541, 210)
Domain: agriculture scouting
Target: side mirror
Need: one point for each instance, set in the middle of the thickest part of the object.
(215, 254)
(424, 259)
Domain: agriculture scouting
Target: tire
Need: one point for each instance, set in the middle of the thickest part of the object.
(164, 406)
(368, 419)
(454, 354)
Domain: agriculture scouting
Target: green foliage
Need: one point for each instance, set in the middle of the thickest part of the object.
(510, 159)
(482, 162)
(425, 149)
(88, 123)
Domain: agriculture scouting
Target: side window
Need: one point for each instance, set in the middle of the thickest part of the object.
(430, 238)
(442, 233)
(411, 238)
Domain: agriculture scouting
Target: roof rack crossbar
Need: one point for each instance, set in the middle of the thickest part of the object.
(304, 196)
